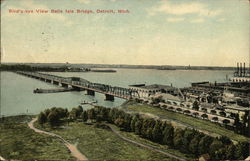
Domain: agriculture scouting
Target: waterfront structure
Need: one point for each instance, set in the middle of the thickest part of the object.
(81, 84)
(241, 74)
(145, 91)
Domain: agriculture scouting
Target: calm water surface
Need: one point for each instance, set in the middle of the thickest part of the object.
(17, 95)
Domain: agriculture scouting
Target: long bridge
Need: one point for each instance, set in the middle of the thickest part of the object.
(80, 84)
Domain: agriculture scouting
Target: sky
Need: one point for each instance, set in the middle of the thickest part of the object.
(154, 32)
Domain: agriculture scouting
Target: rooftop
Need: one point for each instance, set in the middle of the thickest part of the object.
(153, 87)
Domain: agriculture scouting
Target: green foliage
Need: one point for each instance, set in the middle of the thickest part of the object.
(204, 144)
(225, 140)
(19, 142)
(156, 100)
(178, 139)
(187, 141)
(194, 144)
(215, 146)
(84, 116)
(42, 118)
(168, 135)
(196, 105)
(157, 132)
(242, 150)
(53, 118)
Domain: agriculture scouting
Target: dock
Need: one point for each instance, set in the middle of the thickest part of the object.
(52, 90)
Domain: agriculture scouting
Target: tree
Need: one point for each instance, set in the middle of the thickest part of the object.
(79, 110)
(222, 114)
(242, 150)
(187, 137)
(230, 150)
(179, 109)
(215, 119)
(46, 112)
(84, 116)
(138, 126)
(196, 105)
(226, 121)
(204, 116)
(53, 118)
(204, 144)
(213, 111)
(178, 135)
(193, 146)
(42, 118)
(127, 122)
(195, 114)
(73, 114)
(225, 140)
(119, 122)
(91, 114)
(168, 135)
(215, 146)
(187, 112)
(237, 123)
(133, 121)
(146, 124)
(157, 133)
(156, 100)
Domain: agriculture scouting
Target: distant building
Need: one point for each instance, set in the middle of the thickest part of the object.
(147, 91)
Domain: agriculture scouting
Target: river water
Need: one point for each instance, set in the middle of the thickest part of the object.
(17, 95)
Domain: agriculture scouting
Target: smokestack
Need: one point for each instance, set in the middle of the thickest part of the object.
(240, 69)
(244, 70)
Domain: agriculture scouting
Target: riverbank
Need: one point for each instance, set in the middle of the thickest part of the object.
(19, 142)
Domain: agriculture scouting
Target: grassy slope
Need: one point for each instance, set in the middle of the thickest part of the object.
(165, 148)
(17, 141)
(197, 123)
(103, 144)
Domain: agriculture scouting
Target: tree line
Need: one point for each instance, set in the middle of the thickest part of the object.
(23, 67)
(189, 141)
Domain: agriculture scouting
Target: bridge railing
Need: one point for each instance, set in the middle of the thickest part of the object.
(119, 91)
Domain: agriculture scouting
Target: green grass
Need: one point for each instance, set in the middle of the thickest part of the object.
(17, 141)
(102, 144)
(196, 123)
(165, 148)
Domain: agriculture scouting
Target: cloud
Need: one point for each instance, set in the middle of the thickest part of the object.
(198, 20)
(185, 8)
(84, 1)
(177, 19)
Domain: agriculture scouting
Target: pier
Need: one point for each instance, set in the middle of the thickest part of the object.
(38, 90)
(79, 84)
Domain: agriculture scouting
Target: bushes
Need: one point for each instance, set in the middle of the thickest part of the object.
(52, 116)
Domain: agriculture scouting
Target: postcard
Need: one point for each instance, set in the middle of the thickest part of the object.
(125, 80)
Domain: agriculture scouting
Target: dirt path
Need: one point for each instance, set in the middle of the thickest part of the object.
(145, 145)
(1, 158)
(73, 149)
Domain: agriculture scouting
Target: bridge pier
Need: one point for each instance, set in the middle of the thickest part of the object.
(90, 92)
(55, 82)
(109, 97)
(64, 85)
